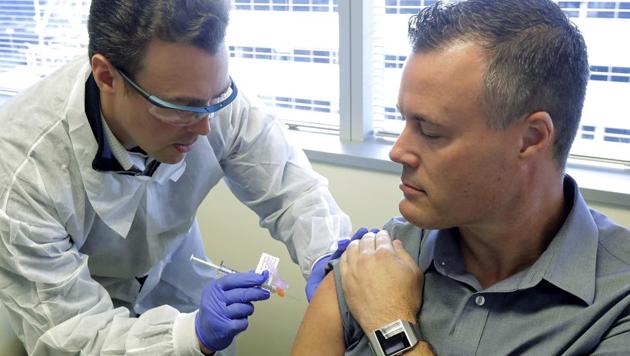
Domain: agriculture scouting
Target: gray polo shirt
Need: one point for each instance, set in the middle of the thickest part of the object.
(574, 300)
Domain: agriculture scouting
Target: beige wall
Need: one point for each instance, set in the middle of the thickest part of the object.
(10, 345)
(231, 233)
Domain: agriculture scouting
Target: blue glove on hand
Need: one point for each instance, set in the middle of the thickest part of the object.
(225, 306)
(319, 269)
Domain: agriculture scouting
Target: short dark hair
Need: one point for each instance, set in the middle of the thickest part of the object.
(537, 58)
(121, 29)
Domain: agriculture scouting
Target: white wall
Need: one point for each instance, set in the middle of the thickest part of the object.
(231, 233)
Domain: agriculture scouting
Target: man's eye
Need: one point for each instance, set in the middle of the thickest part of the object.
(429, 135)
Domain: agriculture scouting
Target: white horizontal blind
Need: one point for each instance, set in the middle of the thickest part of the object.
(36, 37)
(286, 51)
(605, 128)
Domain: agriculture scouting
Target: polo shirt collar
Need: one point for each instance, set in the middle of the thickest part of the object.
(573, 252)
(569, 262)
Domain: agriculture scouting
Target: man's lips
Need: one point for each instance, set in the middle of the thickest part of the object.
(185, 144)
(407, 187)
(188, 142)
(184, 147)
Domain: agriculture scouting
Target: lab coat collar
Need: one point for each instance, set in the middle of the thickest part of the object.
(114, 197)
(105, 160)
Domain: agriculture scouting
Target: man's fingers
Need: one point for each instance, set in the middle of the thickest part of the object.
(346, 259)
(383, 241)
(245, 295)
(366, 244)
(403, 254)
(242, 280)
(359, 234)
(239, 310)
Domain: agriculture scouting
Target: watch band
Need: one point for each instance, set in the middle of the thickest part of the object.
(394, 338)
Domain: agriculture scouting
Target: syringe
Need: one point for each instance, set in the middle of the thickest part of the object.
(226, 270)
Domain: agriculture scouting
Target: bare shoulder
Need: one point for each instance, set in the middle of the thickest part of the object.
(320, 332)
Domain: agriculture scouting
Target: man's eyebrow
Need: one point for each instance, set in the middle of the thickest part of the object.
(192, 101)
(188, 100)
(422, 118)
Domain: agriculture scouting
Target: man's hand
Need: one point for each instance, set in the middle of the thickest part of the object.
(319, 269)
(381, 282)
(225, 306)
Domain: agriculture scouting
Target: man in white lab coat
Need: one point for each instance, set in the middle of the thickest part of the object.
(104, 164)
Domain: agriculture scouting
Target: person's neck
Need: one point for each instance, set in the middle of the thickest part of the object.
(110, 119)
(515, 240)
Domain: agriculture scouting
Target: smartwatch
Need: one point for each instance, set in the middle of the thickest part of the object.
(394, 338)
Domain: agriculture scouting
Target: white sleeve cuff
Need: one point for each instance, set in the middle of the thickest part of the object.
(327, 254)
(185, 340)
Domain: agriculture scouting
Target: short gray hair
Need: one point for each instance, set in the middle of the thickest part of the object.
(537, 59)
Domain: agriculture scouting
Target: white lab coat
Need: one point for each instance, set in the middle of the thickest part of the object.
(72, 240)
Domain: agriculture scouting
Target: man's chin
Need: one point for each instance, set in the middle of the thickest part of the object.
(420, 217)
(170, 159)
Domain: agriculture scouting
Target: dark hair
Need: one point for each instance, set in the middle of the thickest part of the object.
(537, 58)
(121, 29)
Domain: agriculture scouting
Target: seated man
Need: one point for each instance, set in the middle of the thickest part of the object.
(498, 253)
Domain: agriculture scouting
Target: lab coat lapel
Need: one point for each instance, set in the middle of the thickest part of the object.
(114, 197)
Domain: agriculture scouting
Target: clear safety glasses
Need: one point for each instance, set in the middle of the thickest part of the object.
(183, 115)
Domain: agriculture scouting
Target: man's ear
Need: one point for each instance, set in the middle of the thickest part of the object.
(104, 73)
(537, 135)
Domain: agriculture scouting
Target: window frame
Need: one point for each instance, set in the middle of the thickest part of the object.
(356, 145)
(600, 180)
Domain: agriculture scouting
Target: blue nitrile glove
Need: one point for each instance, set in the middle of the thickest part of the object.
(225, 306)
(319, 269)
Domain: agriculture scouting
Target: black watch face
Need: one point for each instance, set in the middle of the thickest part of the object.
(393, 344)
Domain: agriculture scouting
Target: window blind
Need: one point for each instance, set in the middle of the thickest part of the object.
(604, 131)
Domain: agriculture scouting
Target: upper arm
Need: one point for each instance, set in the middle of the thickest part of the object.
(321, 331)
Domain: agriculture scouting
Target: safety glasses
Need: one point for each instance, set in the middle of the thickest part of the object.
(183, 115)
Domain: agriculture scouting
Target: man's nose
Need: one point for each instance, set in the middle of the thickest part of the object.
(201, 128)
(402, 153)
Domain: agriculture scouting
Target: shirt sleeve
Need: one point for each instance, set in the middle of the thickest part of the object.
(274, 178)
(617, 338)
(52, 302)
(356, 342)
(353, 336)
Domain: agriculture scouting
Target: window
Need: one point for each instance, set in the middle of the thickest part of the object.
(605, 128)
(286, 51)
(36, 37)
(331, 65)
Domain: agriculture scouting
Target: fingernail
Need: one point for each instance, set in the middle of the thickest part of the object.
(369, 235)
(382, 233)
